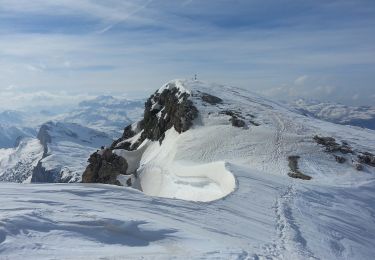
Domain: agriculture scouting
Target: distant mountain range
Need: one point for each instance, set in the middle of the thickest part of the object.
(362, 116)
(105, 113)
(45, 147)
(98, 122)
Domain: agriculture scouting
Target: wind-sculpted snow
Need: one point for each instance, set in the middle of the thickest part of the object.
(161, 175)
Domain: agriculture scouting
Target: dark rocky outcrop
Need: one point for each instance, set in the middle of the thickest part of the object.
(120, 143)
(213, 100)
(331, 145)
(41, 175)
(294, 170)
(340, 159)
(367, 158)
(104, 167)
(163, 110)
(237, 119)
(44, 137)
(237, 122)
(232, 113)
(358, 166)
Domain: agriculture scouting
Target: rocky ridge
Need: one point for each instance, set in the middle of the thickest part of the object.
(168, 107)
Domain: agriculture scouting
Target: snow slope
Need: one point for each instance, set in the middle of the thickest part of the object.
(218, 192)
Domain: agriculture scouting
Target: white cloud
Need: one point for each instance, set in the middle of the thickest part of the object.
(301, 88)
(108, 11)
(187, 2)
(11, 98)
(301, 80)
(10, 87)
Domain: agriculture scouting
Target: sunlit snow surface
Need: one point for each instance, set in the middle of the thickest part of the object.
(268, 215)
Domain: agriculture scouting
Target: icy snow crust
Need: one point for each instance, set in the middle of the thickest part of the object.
(268, 215)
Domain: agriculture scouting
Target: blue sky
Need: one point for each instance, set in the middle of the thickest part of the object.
(319, 49)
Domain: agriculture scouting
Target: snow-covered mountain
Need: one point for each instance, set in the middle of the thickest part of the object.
(12, 117)
(362, 116)
(66, 148)
(11, 135)
(105, 113)
(17, 164)
(216, 172)
(58, 154)
(74, 136)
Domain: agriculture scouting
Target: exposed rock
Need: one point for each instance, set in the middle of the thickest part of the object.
(128, 133)
(367, 158)
(332, 146)
(340, 159)
(231, 113)
(104, 167)
(294, 170)
(358, 166)
(163, 110)
(174, 109)
(18, 140)
(211, 99)
(44, 137)
(237, 119)
(326, 141)
(41, 175)
(237, 122)
(254, 123)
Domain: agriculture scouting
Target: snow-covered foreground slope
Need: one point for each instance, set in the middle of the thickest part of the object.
(229, 173)
(267, 217)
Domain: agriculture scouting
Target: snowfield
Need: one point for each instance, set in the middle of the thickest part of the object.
(215, 191)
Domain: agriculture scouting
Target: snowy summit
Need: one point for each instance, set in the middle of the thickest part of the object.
(209, 172)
